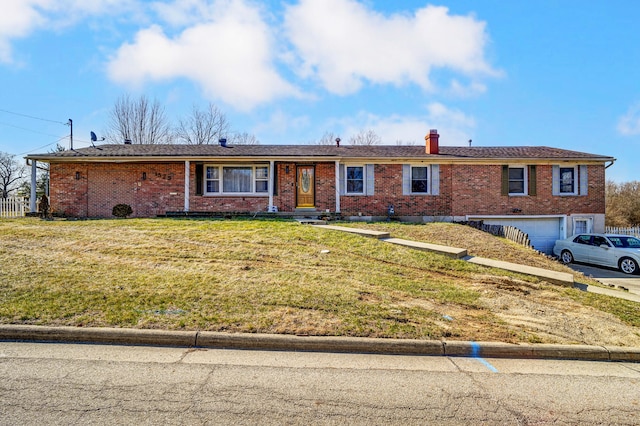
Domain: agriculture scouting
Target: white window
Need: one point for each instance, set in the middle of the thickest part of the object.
(355, 179)
(517, 180)
(419, 180)
(570, 180)
(236, 180)
(581, 225)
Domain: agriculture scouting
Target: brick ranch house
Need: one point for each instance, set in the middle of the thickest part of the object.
(549, 193)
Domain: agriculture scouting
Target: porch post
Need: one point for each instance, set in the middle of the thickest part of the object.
(187, 167)
(337, 186)
(271, 182)
(32, 198)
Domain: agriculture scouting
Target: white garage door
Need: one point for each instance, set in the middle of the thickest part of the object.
(543, 231)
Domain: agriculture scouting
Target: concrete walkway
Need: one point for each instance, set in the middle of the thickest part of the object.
(562, 278)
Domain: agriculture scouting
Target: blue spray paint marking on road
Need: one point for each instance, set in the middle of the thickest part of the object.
(475, 353)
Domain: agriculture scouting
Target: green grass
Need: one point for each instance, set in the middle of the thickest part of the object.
(267, 276)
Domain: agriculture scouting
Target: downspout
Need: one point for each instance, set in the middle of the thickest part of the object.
(32, 198)
(187, 170)
(337, 186)
(271, 183)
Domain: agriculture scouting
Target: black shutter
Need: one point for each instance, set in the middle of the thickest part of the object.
(532, 181)
(504, 189)
(199, 177)
(275, 179)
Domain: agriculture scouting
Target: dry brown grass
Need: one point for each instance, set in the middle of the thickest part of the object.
(273, 277)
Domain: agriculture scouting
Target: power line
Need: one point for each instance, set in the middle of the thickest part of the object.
(28, 130)
(42, 147)
(32, 117)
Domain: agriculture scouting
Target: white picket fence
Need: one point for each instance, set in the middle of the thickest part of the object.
(13, 207)
(634, 230)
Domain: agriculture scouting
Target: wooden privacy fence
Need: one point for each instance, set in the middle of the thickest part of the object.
(14, 207)
(633, 230)
(509, 232)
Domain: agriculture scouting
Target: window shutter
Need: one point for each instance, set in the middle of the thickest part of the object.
(275, 179)
(435, 179)
(370, 184)
(406, 179)
(555, 178)
(343, 181)
(532, 181)
(584, 181)
(504, 188)
(199, 178)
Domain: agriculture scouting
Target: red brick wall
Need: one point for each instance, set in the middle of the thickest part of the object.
(103, 185)
(388, 191)
(476, 190)
(464, 189)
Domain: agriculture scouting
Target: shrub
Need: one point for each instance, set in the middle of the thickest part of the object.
(122, 210)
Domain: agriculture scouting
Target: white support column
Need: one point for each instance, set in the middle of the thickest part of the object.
(271, 182)
(187, 171)
(337, 186)
(32, 198)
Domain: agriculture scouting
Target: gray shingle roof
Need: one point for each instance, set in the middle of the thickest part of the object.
(103, 152)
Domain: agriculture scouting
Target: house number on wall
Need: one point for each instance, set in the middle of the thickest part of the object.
(166, 176)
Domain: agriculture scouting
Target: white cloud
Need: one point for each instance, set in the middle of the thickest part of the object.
(629, 124)
(230, 56)
(20, 18)
(454, 126)
(344, 43)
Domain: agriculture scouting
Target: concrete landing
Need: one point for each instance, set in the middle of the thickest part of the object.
(456, 253)
(364, 232)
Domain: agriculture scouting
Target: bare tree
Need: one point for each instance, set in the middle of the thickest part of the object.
(141, 121)
(244, 138)
(42, 178)
(328, 138)
(11, 173)
(203, 126)
(365, 137)
(622, 203)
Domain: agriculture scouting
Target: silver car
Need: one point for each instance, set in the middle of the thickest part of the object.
(615, 251)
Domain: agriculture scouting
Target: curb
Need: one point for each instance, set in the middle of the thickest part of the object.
(276, 342)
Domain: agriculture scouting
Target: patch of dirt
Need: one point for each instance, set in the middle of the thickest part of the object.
(541, 312)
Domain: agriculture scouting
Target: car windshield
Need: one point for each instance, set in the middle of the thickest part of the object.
(625, 242)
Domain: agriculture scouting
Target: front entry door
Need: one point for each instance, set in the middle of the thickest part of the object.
(306, 185)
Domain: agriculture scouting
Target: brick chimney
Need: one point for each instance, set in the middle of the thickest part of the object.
(432, 141)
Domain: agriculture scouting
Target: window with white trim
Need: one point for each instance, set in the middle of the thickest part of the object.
(517, 180)
(236, 179)
(419, 180)
(355, 179)
(568, 180)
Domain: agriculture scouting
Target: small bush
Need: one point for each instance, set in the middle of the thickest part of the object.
(122, 210)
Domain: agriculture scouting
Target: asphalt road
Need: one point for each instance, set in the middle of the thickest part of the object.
(609, 276)
(93, 384)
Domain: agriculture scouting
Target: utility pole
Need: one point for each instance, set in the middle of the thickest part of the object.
(70, 123)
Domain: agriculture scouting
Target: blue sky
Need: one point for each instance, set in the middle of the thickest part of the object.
(559, 73)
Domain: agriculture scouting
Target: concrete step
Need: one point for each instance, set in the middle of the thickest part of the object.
(456, 253)
(364, 232)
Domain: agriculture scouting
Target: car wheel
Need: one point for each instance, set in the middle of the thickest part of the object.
(566, 256)
(628, 265)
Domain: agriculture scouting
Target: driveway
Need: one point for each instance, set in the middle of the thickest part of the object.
(610, 277)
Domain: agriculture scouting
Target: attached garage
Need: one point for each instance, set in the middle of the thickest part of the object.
(543, 231)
